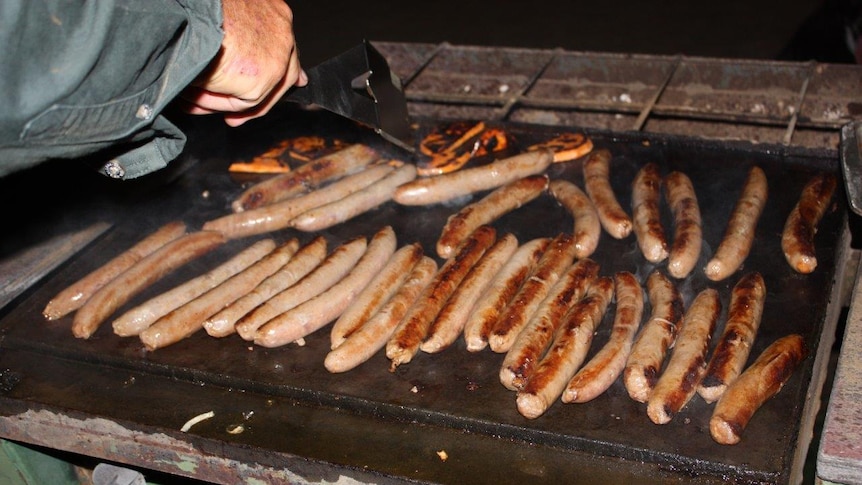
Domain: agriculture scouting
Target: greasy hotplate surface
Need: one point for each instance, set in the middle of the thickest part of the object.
(457, 390)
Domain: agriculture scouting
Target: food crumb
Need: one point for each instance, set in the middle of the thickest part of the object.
(235, 429)
(443, 455)
(205, 194)
(195, 420)
(414, 390)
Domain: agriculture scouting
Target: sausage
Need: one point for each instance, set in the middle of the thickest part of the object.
(187, 319)
(533, 341)
(75, 295)
(739, 234)
(500, 292)
(372, 335)
(359, 202)
(450, 322)
(764, 379)
(336, 265)
(139, 276)
(441, 188)
(278, 215)
(570, 347)
(731, 352)
(654, 339)
(305, 176)
(142, 316)
(797, 238)
(587, 228)
(679, 381)
(646, 215)
(687, 236)
(306, 258)
(598, 187)
(412, 330)
(602, 370)
(553, 263)
(378, 291)
(313, 314)
(501, 201)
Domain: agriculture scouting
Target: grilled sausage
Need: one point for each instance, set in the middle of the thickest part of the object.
(764, 379)
(313, 314)
(654, 339)
(679, 381)
(532, 342)
(646, 215)
(75, 295)
(598, 186)
(372, 335)
(278, 215)
(602, 370)
(441, 188)
(306, 258)
(503, 288)
(413, 329)
(587, 228)
(797, 239)
(450, 322)
(139, 276)
(357, 203)
(501, 201)
(553, 263)
(336, 265)
(567, 353)
(306, 176)
(688, 236)
(739, 235)
(378, 291)
(743, 320)
(142, 316)
(190, 317)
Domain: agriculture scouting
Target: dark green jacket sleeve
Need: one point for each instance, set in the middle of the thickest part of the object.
(93, 77)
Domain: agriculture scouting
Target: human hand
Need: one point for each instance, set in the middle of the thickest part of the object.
(257, 63)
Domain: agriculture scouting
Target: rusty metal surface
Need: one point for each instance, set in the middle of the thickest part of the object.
(374, 425)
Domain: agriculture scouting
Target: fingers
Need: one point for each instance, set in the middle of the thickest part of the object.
(295, 76)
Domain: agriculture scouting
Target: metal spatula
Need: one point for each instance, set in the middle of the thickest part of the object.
(359, 85)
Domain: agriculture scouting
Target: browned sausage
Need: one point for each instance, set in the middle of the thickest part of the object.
(378, 291)
(797, 239)
(679, 381)
(503, 288)
(688, 236)
(598, 186)
(501, 201)
(372, 335)
(646, 215)
(189, 318)
(359, 202)
(555, 260)
(602, 370)
(654, 339)
(141, 275)
(756, 385)
(278, 215)
(142, 316)
(313, 314)
(336, 265)
(74, 296)
(413, 329)
(731, 352)
(449, 323)
(739, 235)
(533, 341)
(587, 228)
(303, 262)
(441, 188)
(311, 174)
(567, 353)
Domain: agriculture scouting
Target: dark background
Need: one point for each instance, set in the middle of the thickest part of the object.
(755, 29)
